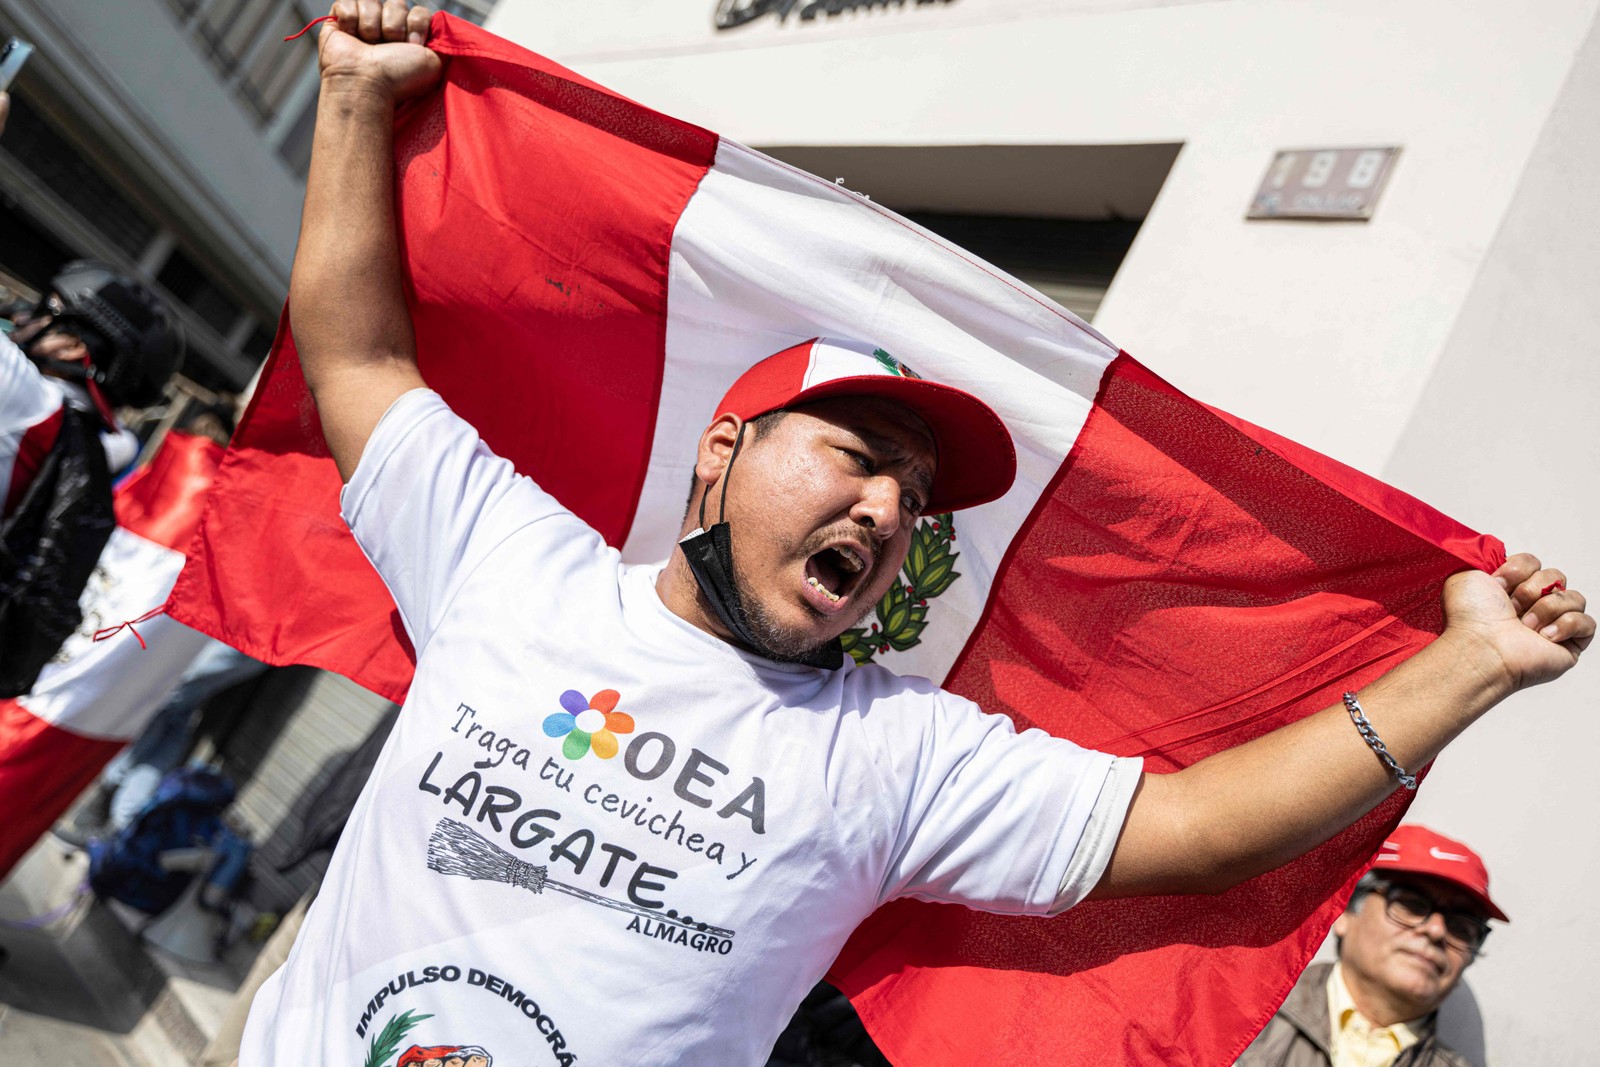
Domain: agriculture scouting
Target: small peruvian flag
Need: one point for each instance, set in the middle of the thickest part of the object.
(97, 695)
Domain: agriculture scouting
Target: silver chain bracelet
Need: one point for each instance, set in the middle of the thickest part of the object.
(1374, 742)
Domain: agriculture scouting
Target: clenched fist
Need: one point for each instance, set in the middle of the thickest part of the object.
(378, 45)
(1526, 617)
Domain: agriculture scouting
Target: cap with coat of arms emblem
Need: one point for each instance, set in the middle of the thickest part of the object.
(977, 461)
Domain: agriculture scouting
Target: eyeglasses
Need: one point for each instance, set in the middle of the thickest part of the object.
(1411, 908)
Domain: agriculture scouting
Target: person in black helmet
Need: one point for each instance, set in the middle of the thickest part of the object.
(96, 340)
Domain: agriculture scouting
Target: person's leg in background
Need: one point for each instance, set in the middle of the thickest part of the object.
(164, 743)
(224, 1047)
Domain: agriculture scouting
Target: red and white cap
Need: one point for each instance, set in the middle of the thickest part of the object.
(977, 461)
(1415, 849)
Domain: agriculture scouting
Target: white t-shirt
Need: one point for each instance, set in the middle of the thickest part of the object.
(28, 398)
(600, 835)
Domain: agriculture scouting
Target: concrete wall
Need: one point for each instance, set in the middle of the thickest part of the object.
(1446, 345)
(147, 99)
(1506, 432)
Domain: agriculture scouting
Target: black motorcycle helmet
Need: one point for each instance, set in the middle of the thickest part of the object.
(134, 343)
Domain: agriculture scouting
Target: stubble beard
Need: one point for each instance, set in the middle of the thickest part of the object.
(778, 642)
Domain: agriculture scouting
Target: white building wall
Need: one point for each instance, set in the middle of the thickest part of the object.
(1464, 86)
(1506, 431)
(1446, 345)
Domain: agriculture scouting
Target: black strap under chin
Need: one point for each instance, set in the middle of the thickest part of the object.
(727, 473)
(710, 557)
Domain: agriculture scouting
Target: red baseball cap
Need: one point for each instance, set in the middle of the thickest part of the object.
(1415, 849)
(977, 461)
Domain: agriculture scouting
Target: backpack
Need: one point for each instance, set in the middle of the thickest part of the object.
(48, 548)
(184, 812)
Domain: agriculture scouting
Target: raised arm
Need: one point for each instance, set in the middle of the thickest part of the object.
(346, 303)
(1250, 809)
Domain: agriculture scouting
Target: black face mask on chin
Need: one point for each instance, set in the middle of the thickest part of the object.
(710, 556)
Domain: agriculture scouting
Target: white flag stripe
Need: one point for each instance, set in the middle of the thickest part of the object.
(110, 689)
(744, 283)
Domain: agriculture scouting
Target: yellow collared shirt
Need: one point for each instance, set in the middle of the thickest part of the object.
(1355, 1042)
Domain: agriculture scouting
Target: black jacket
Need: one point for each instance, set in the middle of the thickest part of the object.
(48, 548)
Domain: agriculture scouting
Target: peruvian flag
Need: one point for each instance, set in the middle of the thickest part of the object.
(586, 276)
(97, 695)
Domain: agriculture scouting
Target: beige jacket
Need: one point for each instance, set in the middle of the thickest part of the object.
(1298, 1035)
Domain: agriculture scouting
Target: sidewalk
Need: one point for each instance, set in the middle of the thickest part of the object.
(85, 990)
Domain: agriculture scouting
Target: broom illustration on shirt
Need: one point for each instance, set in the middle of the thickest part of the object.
(456, 848)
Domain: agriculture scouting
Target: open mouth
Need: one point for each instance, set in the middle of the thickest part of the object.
(833, 574)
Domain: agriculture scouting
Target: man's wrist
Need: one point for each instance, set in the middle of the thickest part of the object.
(352, 92)
(1476, 657)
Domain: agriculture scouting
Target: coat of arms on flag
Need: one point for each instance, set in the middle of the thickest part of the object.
(902, 614)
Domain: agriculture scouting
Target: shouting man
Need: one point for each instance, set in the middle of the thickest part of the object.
(630, 813)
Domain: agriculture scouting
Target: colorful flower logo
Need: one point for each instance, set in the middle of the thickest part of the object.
(590, 723)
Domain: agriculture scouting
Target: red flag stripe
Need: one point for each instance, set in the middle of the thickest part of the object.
(579, 326)
(1182, 586)
(163, 500)
(42, 769)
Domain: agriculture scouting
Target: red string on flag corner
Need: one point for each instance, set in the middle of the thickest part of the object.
(112, 631)
(302, 33)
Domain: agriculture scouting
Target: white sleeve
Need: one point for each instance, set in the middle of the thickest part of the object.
(1007, 822)
(429, 502)
(26, 396)
(1099, 839)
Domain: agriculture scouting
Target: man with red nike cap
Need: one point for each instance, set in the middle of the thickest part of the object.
(630, 814)
(1413, 925)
